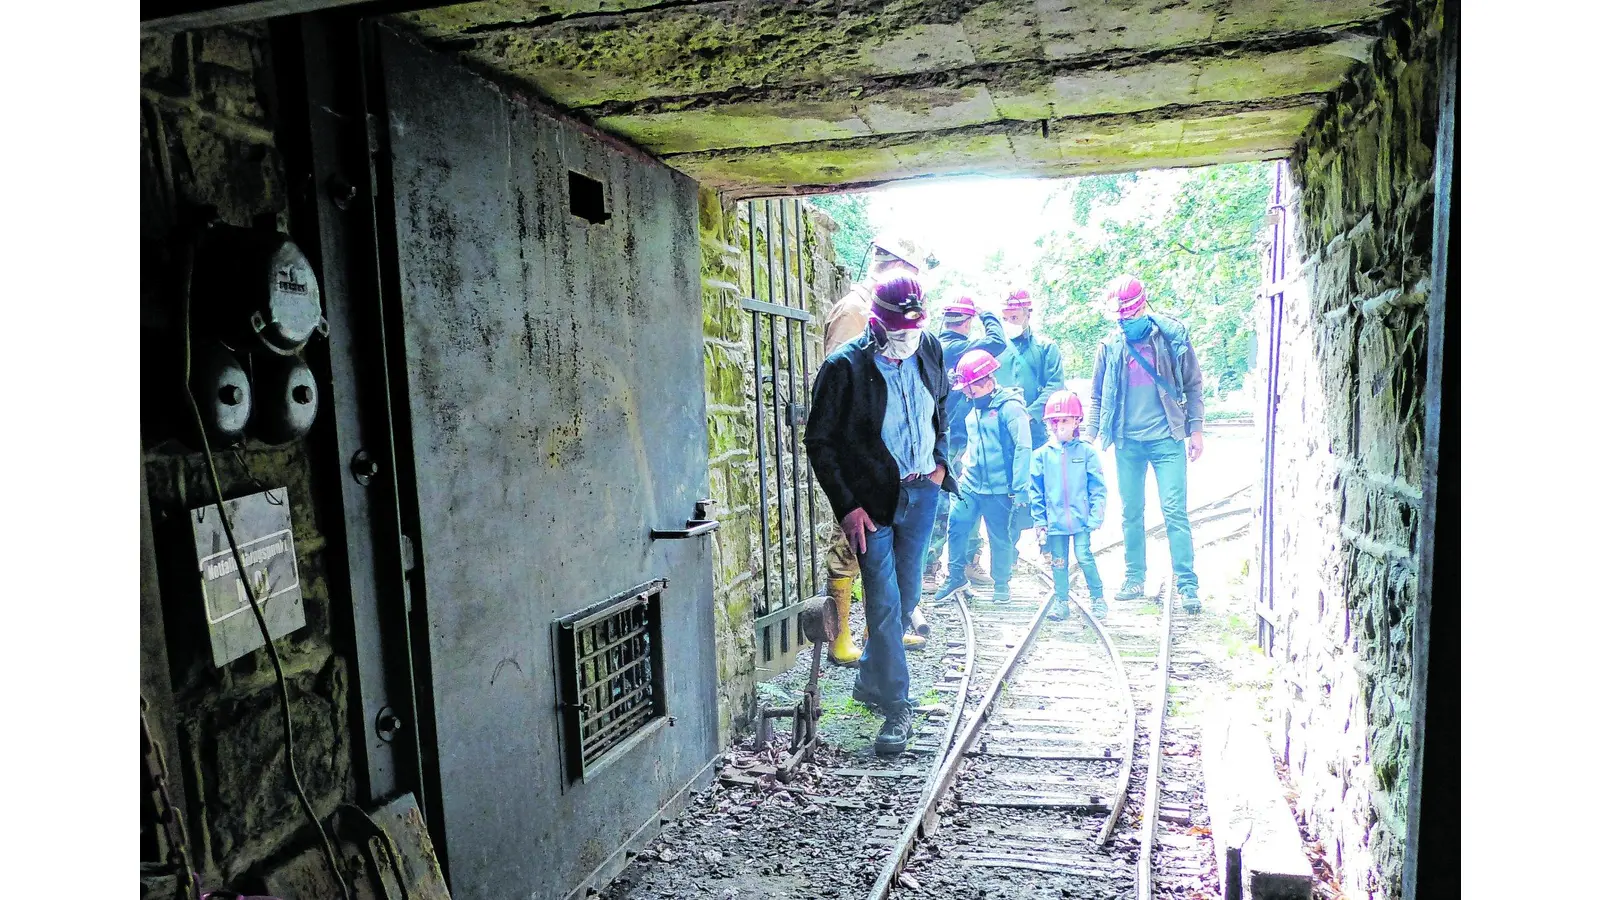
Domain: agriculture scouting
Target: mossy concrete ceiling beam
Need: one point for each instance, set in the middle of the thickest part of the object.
(769, 116)
(774, 95)
(1213, 133)
(681, 49)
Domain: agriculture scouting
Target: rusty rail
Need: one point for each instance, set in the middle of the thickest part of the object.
(1152, 774)
(925, 820)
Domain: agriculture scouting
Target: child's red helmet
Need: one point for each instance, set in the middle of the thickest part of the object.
(1062, 405)
(975, 365)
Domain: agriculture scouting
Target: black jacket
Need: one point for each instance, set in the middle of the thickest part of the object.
(844, 431)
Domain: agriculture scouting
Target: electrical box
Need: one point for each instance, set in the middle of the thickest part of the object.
(261, 526)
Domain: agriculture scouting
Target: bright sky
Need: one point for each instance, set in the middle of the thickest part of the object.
(963, 221)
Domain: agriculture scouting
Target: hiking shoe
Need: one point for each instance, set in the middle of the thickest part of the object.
(931, 576)
(978, 576)
(1002, 593)
(895, 733)
(865, 697)
(1191, 599)
(1131, 590)
(949, 589)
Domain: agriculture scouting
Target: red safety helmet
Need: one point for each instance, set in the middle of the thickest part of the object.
(1127, 292)
(975, 365)
(1063, 405)
(1019, 299)
(961, 308)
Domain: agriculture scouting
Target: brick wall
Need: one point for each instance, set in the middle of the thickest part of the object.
(206, 138)
(1348, 476)
(730, 405)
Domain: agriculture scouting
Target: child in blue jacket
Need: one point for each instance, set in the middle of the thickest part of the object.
(994, 476)
(1069, 500)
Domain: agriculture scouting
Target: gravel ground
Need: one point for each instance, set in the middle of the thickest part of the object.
(825, 834)
(812, 837)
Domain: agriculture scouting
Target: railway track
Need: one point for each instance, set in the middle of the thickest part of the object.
(1028, 773)
(1049, 787)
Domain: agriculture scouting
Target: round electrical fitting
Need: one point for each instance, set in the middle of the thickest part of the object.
(255, 287)
(222, 391)
(292, 310)
(286, 400)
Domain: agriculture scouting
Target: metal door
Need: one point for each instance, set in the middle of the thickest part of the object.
(553, 390)
(783, 333)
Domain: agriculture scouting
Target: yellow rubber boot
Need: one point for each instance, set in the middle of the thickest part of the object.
(843, 651)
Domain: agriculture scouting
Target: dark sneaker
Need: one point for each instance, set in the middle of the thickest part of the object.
(1097, 605)
(949, 589)
(1060, 611)
(866, 698)
(1131, 590)
(1002, 593)
(1191, 599)
(895, 733)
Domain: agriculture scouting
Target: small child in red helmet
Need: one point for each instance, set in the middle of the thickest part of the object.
(1069, 500)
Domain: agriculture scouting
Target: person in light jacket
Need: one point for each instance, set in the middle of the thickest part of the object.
(1069, 501)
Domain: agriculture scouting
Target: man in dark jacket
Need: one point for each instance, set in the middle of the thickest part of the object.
(1033, 365)
(1145, 400)
(876, 437)
(956, 339)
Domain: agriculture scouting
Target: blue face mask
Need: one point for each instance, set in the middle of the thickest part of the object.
(1138, 329)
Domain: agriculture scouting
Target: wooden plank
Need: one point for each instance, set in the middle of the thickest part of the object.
(1246, 799)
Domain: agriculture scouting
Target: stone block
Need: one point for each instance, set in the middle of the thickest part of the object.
(239, 173)
(234, 750)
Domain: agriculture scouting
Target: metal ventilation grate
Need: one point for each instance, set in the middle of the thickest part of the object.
(611, 690)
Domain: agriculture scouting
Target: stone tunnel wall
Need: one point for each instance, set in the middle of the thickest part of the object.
(731, 428)
(1348, 477)
(207, 139)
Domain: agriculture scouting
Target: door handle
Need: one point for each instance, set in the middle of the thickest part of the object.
(692, 528)
(701, 524)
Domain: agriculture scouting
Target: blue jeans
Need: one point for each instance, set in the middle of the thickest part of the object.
(941, 518)
(891, 585)
(1060, 545)
(996, 520)
(1166, 456)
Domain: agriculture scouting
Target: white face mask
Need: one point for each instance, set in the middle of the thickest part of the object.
(903, 343)
(1013, 330)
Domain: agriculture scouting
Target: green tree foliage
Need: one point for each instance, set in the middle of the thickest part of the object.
(849, 211)
(1199, 260)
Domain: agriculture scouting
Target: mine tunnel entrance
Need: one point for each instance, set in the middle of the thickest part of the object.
(544, 506)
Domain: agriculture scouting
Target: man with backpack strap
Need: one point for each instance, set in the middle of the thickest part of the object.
(1145, 401)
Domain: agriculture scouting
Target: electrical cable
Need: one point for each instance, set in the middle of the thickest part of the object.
(250, 594)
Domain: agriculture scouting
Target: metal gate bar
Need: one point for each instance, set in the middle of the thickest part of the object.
(789, 375)
(1277, 266)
